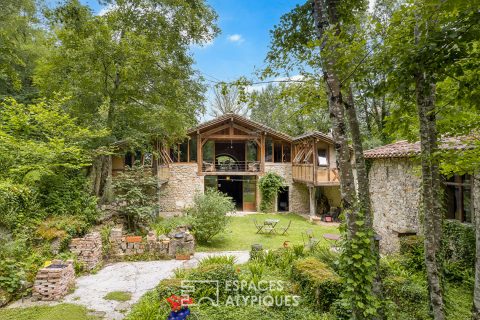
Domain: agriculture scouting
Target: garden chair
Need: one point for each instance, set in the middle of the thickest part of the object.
(258, 226)
(312, 242)
(283, 230)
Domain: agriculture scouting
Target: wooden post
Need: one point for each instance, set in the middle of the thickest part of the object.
(313, 202)
(262, 153)
(199, 154)
(315, 159)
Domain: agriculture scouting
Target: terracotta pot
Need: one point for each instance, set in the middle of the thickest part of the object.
(182, 256)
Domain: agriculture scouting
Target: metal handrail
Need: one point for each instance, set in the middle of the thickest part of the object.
(231, 166)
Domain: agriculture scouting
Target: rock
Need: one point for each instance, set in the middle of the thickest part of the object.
(122, 306)
(5, 297)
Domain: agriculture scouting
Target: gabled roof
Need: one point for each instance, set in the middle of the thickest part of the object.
(405, 149)
(243, 120)
(314, 134)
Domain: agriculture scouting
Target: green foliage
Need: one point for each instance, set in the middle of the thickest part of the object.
(270, 184)
(413, 251)
(19, 209)
(137, 192)
(163, 225)
(222, 273)
(208, 214)
(150, 307)
(325, 254)
(459, 243)
(230, 260)
(118, 296)
(56, 312)
(409, 298)
(319, 284)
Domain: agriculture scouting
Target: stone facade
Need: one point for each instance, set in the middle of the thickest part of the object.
(297, 192)
(53, 282)
(179, 191)
(88, 249)
(395, 195)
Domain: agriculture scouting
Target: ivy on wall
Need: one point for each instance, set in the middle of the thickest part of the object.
(270, 184)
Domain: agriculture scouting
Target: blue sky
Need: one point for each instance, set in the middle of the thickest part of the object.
(243, 43)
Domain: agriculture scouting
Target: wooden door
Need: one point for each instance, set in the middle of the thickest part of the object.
(249, 193)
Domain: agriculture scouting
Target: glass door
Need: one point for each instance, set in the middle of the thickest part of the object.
(249, 193)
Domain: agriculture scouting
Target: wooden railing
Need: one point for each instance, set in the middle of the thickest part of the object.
(305, 173)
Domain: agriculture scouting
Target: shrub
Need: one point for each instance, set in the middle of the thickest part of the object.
(412, 250)
(458, 243)
(222, 273)
(409, 297)
(150, 307)
(208, 215)
(167, 287)
(19, 208)
(270, 184)
(138, 191)
(325, 254)
(318, 283)
(230, 260)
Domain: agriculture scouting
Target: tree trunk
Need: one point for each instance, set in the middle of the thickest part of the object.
(101, 176)
(476, 215)
(425, 93)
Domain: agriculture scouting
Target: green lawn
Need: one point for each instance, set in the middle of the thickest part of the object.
(241, 233)
(58, 312)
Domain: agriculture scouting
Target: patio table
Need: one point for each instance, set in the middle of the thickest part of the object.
(270, 225)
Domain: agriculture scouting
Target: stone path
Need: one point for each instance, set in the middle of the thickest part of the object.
(134, 277)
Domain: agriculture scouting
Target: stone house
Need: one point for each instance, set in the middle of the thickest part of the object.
(231, 153)
(395, 191)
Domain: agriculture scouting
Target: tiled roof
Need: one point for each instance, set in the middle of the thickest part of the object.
(315, 134)
(403, 149)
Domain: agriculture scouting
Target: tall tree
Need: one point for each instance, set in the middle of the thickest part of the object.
(227, 101)
(333, 30)
(128, 70)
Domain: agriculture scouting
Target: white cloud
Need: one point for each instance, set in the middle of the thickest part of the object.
(235, 38)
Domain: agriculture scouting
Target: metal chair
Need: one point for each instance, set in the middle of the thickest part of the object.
(258, 226)
(284, 230)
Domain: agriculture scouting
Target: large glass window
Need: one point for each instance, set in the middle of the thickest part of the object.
(458, 198)
(277, 152)
(286, 152)
(252, 151)
(209, 151)
(183, 152)
(193, 149)
(268, 150)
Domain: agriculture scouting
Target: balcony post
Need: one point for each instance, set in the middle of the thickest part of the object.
(199, 154)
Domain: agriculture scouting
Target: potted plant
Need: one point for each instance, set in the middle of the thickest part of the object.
(179, 307)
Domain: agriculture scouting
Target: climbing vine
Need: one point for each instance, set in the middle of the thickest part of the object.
(270, 184)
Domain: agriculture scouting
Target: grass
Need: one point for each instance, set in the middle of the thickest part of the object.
(57, 312)
(241, 233)
(118, 296)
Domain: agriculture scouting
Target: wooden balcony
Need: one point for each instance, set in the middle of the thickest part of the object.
(231, 167)
(319, 176)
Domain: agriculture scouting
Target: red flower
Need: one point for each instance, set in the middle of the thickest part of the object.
(178, 302)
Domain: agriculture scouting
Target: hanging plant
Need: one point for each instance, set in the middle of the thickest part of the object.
(270, 184)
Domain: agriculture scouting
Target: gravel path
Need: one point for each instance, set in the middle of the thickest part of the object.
(134, 277)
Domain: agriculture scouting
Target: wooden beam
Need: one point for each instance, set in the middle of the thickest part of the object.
(229, 137)
(199, 154)
(315, 159)
(262, 153)
(212, 131)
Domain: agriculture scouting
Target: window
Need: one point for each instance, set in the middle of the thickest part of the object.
(322, 157)
(252, 151)
(458, 198)
(183, 152)
(277, 152)
(208, 151)
(286, 152)
(193, 149)
(268, 150)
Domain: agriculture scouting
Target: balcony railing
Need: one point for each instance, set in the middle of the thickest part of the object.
(231, 166)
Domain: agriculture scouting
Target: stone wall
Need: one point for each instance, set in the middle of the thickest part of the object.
(297, 193)
(53, 282)
(178, 192)
(88, 249)
(395, 195)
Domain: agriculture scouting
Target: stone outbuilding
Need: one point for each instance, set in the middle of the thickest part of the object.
(395, 191)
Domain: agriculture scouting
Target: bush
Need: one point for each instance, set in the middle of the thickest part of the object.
(270, 184)
(409, 298)
(208, 215)
(230, 260)
(458, 243)
(19, 208)
(150, 307)
(412, 250)
(318, 283)
(222, 273)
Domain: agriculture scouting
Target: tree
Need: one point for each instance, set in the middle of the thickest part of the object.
(227, 101)
(293, 108)
(22, 43)
(333, 30)
(129, 70)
